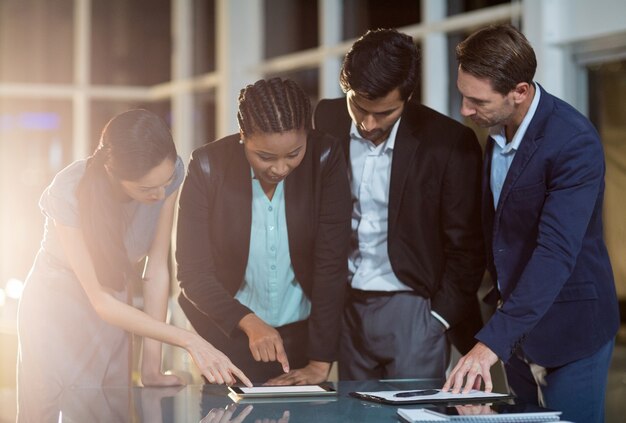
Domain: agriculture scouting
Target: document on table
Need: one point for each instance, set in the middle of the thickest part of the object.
(486, 413)
(405, 397)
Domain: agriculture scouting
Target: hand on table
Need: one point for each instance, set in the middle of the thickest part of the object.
(313, 373)
(265, 342)
(474, 368)
(214, 364)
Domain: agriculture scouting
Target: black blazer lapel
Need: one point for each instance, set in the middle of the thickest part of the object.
(406, 144)
(238, 198)
(299, 206)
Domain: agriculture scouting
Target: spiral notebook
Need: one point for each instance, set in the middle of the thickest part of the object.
(502, 413)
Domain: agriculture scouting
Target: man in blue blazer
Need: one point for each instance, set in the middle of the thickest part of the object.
(543, 186)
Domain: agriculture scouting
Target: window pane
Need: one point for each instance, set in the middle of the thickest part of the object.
(204, 118)
(203, 36)
(103, 111)
(607, 96)
(35, 143)
(36, 41)
(131, 42)
(290, 26)
(361, 15)
(461, 6)
(308, 79)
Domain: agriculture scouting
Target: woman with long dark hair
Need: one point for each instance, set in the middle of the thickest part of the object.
(103, 215)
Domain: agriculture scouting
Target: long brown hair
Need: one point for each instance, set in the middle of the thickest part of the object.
(131, 144)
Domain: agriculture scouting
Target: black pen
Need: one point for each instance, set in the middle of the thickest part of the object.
(416, 393)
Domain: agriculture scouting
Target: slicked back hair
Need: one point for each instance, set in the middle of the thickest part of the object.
(132, 144)
(500, 54)
(379, 62)
(273, 106)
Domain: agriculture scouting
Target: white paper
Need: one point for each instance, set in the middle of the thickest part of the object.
(423, 415)
(420, 415)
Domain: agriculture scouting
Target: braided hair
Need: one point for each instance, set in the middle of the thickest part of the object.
(273, 106)
(132, 144)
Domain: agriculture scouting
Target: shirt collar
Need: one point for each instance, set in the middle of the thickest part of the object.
(388, 144)
(497, 132)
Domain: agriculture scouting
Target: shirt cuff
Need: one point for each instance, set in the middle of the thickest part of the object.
(441, 319)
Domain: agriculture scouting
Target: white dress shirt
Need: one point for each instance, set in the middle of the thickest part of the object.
(369, 265)
(370, 269)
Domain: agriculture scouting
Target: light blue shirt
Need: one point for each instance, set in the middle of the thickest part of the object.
(270, 288)
(503, 152)
(369, 265)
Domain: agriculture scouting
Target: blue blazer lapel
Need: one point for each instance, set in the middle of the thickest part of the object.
(528, 146)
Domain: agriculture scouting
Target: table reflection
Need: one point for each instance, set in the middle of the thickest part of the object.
(211, 404)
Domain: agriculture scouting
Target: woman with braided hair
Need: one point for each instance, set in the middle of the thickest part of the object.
(104, 215)
(263, 234)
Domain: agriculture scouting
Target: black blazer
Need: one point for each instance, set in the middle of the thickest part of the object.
(213, 236)
(434, 231)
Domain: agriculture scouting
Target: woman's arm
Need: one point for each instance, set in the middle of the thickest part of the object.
(156, 284)
(213, 364)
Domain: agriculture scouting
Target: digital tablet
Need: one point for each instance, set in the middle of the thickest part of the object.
(282, 391)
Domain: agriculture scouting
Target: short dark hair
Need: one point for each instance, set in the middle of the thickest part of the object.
(273, 106)
(499, 53)
(379, 62)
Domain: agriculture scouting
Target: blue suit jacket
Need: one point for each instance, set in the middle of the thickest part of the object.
(545, 245)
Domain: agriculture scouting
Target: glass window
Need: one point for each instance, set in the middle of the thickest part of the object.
(454, 97)
(361, 15)
(35, 143)
(130, 43)
(462, 6)
(102, 111)
(290, 26)
(203, 36)
(607, 96)
(308, 79)
(36, 41)
(204, 118)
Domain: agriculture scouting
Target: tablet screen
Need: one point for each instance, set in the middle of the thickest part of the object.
(282, 390)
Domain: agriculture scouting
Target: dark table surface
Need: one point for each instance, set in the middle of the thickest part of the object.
(211, 404)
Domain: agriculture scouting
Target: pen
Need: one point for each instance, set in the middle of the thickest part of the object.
(416, 393)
